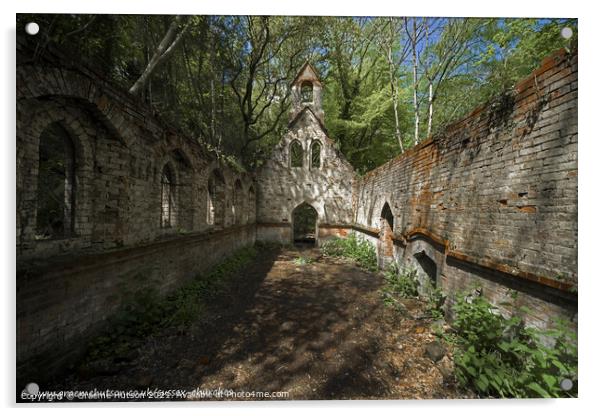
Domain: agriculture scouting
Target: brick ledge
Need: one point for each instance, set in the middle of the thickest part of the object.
(458, 255)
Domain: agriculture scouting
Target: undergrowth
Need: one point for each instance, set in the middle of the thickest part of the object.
(404, 283)
(435, 300)
(500, 357)
(303, 260)
(353, 248)
(145, 312)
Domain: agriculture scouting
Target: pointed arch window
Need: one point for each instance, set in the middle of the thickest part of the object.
(56, 184)
(168, 205)
(216, 199)
(316, 157)
(296, 154)
(250, 212)
(211, 195)
(387, 215)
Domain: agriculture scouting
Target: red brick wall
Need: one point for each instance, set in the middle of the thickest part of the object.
(497, 189)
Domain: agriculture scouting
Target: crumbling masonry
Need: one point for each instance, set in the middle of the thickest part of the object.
(491, 202)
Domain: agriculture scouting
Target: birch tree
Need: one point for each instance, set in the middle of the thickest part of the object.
(164, 50)
(390, 36)
(442, 59)
(415, 34)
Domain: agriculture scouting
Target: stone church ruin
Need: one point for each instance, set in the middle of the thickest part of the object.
(491, 201)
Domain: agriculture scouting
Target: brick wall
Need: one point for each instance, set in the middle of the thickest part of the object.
(492, 199)
(61, 301)
(67, 286)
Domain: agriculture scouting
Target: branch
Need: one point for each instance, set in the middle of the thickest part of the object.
(163, 51)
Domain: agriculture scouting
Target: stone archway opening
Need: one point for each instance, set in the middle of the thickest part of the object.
(305, 224)
(385, 238)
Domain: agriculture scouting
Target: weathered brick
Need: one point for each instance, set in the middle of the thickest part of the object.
(509, 198)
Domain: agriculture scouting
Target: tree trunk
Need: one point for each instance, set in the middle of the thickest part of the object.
(393, 81)
(212, 110)
(415, 73)
(430, 120)
(163, 51)
(430, 81)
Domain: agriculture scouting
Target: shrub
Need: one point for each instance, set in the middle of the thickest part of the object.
(303, 260)
(402, 282)
(435, 301)
(354, 248)
(501, 357)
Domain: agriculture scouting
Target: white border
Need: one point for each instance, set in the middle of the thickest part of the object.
(590, 203)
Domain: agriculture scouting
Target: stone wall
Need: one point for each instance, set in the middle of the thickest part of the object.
(281, 188)
(68, 284)
(62, 301)
(492, 199)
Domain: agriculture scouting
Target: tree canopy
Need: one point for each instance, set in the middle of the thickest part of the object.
(390, 82)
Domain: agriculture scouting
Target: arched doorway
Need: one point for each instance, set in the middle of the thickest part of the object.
(385, 240)
(305, 224)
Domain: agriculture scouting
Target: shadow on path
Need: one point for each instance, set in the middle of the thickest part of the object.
(315, 329)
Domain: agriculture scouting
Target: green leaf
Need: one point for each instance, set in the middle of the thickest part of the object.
(551, 381)
(538, 389)
(560, 366)
(481, 384)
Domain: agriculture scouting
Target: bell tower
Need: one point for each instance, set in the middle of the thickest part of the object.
(306, 91)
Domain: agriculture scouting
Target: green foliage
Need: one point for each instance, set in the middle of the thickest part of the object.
(402, 282)
(303, 260)
(354, 248)
(357, 99)
(435, 301)
(502, 52)
(228, 160)
(500, 357)
(226, 82)
(145, 312)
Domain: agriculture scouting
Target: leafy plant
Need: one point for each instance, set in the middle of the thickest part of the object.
(302, 260)
(402, 282)
(435, 301)
(501, 357)
(353, 248)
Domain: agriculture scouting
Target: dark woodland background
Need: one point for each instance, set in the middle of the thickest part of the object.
(389, 82)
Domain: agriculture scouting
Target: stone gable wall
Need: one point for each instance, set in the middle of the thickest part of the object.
(328, 189)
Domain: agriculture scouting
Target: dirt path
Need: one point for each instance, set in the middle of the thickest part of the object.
(317, 331)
